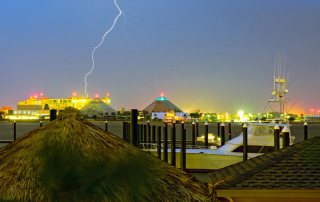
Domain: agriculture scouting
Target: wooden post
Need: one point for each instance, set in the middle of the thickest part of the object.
(128, 132)
(142, 137)
(53, 114)
(206, 134)
(218, 129)
(183, 148)
(40, 123)
(128, 127)
(153, 134)
(139, 137)
(148, 131)
(281, 128)
(276, 131)
(197, 128)
(106, 126)
(193, 133)
(230, 131)
(173, 145)
(14, 130)
(245, 141)
(145, 136)
(124, 131)
(223, 134)
(165, 142)
(134, 127)
(159, 142)
(285, 136)
(305, 130)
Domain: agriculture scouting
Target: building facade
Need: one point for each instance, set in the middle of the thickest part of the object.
(39, 107)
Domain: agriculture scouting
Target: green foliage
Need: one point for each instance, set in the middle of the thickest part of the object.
(195, 115)
(291, 118)
(2, 114)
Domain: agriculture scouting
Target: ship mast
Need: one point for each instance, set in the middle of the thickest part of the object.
(280, 87)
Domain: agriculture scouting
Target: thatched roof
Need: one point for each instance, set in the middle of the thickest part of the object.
(73, 160)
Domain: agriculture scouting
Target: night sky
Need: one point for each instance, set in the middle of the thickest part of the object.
(217, 56)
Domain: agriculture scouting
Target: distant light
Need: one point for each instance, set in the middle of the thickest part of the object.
(240, 113)
(162, 94)
(41, 94)
(97, 95)
(162, 98)
(74, 94)
(108, 94)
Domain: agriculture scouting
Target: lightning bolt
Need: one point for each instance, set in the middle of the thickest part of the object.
(97, 46)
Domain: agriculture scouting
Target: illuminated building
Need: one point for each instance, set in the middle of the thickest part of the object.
(45, 103)
(96, 108)
(5, 109)
(163, 109)
(28, 114)
(38, 107)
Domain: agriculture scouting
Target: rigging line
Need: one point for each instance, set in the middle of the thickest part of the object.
(126, 22)
(302, 92)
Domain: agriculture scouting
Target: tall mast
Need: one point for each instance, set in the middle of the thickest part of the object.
(280, 88)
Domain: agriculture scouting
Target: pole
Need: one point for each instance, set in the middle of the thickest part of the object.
(305, 130)
(128, 132)
(230, 131)
(165, 142)
(140, 137)
(40, 123)
(145, 135)
(14, 130)
(159, 142)
(286, 136)
(153, 134)
(183, 149)
(128, 126)
(148, 131)
(193, 133)
(197, 129)
(206, 134)
(53, 114)
(276, 137)
(218, 127)
(223, 134)
(124, 131)
(245, 141)
(106, 125)
(134, 127)
(173, 145)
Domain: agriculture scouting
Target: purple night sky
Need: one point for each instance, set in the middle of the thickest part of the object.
(217, 56)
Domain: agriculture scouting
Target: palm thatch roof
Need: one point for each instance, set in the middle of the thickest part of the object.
(71, 159)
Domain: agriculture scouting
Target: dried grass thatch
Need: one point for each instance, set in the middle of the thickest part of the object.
(73, 160)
